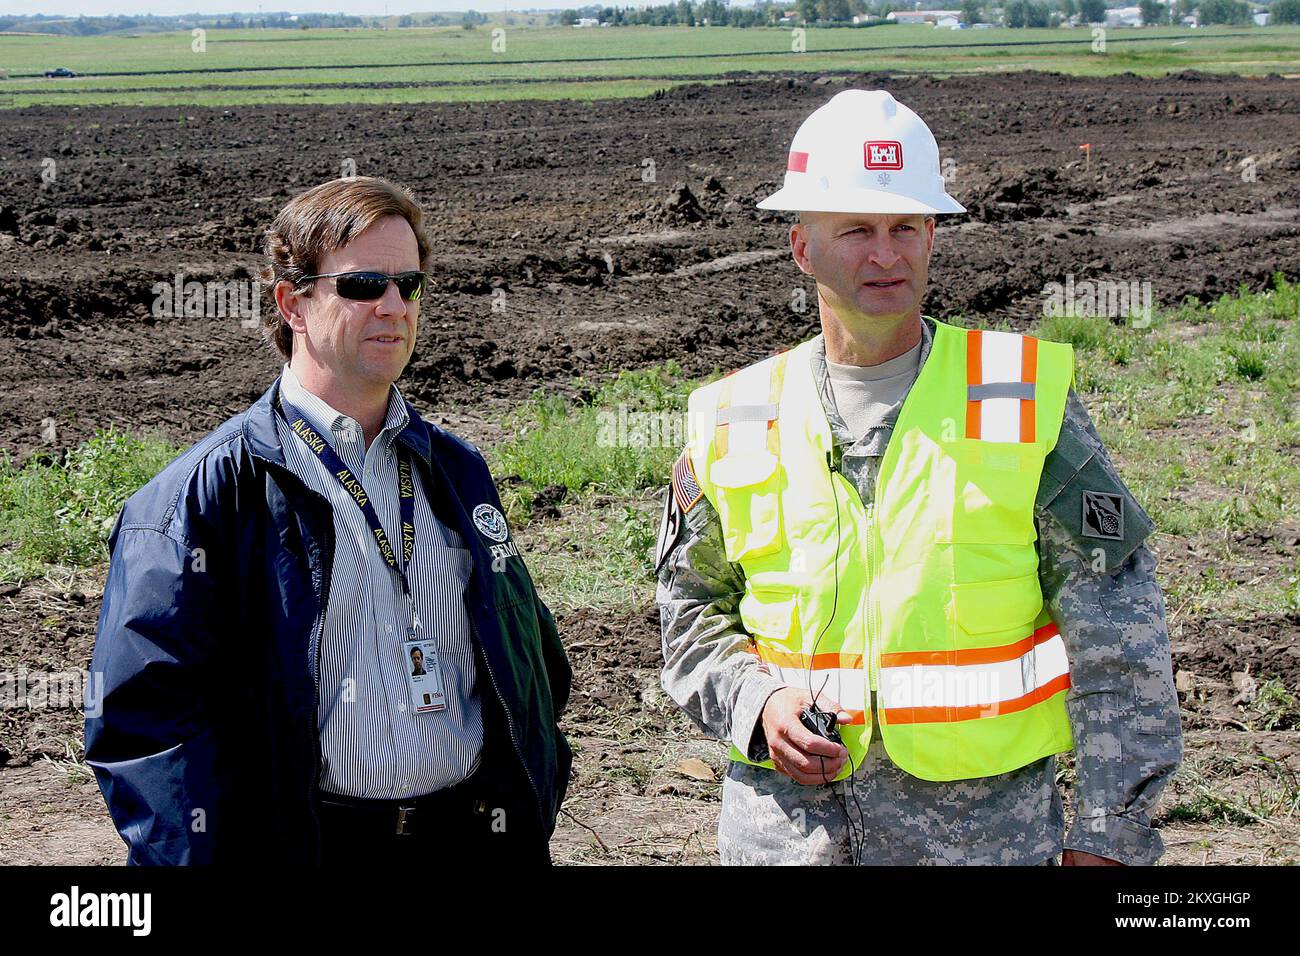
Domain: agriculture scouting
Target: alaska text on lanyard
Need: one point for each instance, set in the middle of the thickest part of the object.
(405, 493)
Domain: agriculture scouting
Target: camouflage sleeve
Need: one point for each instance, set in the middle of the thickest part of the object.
(708, 669)
(1098, 579)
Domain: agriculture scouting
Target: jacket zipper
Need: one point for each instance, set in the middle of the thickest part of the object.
(327, 573)
(510, 724)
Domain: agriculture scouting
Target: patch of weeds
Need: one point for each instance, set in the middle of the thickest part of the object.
(61, 512)
(1276, 706)
(620, 441)
(1206, 806)
(73, 763)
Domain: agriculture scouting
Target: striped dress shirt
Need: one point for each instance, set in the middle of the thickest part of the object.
(372, 743)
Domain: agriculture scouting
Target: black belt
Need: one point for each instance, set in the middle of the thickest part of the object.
(410, 815)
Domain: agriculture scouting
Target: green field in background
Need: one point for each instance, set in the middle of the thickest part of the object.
(335, 66)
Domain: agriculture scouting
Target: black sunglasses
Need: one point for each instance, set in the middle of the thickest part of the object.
(371, 285)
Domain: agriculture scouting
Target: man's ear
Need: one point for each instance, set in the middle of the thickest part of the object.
(929, 236)
(799, 246)
(289, 301)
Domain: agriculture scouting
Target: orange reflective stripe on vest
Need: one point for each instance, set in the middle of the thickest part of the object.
(924, 686)
(1001, 377)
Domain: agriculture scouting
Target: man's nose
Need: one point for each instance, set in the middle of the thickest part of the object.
(882, 252)
(391, 302)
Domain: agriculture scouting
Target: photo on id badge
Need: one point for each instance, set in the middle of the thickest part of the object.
(424, 676)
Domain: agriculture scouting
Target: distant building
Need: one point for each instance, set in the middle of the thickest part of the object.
(1124, 17)
(1261, 19)
(587, 22)
(947, 23)
(921, 16)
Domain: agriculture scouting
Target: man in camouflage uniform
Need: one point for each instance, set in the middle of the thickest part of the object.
(1098, 581)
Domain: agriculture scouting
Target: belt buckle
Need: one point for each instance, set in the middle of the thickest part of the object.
(405, 819)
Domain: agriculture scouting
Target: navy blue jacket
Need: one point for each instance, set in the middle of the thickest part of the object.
(205, 742)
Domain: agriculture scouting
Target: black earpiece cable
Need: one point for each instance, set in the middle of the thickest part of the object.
(856, 840)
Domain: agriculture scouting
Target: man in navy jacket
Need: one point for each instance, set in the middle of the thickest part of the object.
(244, 581)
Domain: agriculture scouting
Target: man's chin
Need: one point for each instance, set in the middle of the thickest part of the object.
(877, 316)
(382, 373)
(885, 308)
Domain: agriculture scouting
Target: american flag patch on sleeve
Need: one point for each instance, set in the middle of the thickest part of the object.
(685, 488)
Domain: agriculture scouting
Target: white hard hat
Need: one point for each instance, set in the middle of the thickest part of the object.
(863, 152)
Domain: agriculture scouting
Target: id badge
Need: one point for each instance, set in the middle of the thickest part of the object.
(424, 676)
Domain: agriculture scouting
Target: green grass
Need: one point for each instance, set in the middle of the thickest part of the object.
(60, 513)
(336, 95)
(619, 441)
(1276, 707)
(611, 450)
(626, 61)
(1206, 806)
(1199, 407)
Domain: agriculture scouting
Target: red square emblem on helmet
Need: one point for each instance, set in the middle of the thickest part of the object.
(883, 154)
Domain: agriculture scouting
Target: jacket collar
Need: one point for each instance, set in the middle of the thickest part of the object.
(264, 438)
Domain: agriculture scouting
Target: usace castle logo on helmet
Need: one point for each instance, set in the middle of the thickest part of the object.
(883, 154)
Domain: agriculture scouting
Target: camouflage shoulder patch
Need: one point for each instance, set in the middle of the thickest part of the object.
(1103, 519)
(686, 489)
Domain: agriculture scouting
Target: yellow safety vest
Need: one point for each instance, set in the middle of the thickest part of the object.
(930, 594)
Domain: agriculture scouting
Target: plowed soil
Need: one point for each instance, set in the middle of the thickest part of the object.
(558, 254)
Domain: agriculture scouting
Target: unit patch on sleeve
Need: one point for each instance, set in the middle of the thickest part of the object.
(1103, 515)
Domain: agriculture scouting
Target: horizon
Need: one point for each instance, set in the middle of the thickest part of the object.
(180, 8)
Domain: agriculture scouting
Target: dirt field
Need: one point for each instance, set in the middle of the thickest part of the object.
(601, 270)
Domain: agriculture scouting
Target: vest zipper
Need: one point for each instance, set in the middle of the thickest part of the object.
(873, 607)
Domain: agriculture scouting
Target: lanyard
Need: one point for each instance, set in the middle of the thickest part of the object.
(405, 493)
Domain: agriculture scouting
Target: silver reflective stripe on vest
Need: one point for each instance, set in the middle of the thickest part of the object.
(749, 410)
(1016, 390)
(746, 413)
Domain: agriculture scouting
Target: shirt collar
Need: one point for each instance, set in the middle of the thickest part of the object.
(326, 420)
(821, 376)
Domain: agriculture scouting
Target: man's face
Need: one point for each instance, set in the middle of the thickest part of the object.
(417, 658)
(362, 343)
(869, 268)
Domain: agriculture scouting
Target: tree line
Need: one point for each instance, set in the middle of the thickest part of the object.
(1014, 13)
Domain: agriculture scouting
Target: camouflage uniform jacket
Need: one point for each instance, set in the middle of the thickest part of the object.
(1102, 594)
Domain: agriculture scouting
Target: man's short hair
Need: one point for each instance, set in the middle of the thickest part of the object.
(324, 218)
